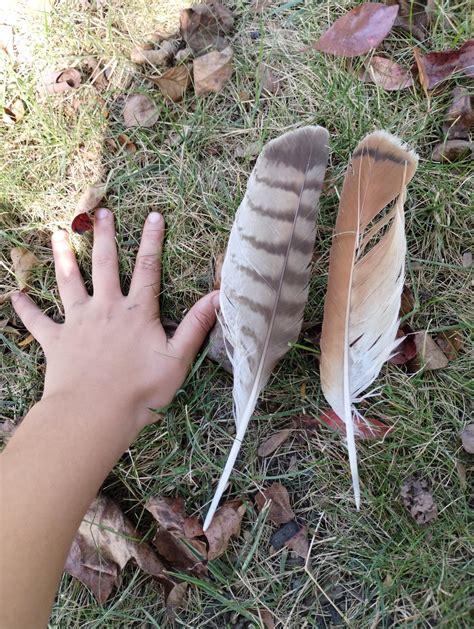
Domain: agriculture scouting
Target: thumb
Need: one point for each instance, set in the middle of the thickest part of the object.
(195, 326)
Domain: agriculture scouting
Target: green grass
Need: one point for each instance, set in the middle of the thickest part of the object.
(376, 566)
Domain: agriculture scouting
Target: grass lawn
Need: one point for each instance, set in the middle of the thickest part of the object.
(373, 568)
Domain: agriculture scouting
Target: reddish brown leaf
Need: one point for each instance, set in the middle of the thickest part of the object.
(203, 26)
(422, 72)
(24, 262)
(407, 303)
(140, 111)
(299, 543)
(273, 442)
(224, 525)
(88, 202)
(414, 16)
(212, 71)
(460, 116)
(467, 438)
(429, 355)
(105, 542)
(173, 83)
(450, 343)
(452, 151)
(192, 527)
(367, 429)
(419, 501)
(125, 141)
(443, 65)
(359, 30)
(61, 81)
(168, 512)
(280, 510)
(387, 74)
(406, 351)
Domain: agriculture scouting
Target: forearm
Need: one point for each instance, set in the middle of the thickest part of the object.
(51, 470)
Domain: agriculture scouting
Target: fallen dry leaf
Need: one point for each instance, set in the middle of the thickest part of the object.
(126, 142)
(156, 57)
(273, 443)
(359, 30)
(175, 598)
(299, 543)
(140, 111)
(407, 302)
(467, 438)
(422, 72)
(429, 355)
(218, 262)
(60, 81)
(265, 616)
(173, 83)
(14, 113)
(168, 512)
(280, 511)
(88, 202)
(248, 150)
(387, 74)
(212, 71)
(104, 544)
(268, 79)
(450, 343)
(413, 16)
(452, 151)
(364, 428)
(24, 262)
(407, 350)
(419, 501)
(217, 350)
(439, 66)
(225, 524)
(204, 26)
(460, 116)
(98, 76)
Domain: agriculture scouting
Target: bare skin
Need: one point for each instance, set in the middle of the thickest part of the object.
(107, 365)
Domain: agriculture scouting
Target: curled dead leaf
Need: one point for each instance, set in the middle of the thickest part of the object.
(98, 76)
(280, 510)
(212, 71)
(358, 31)
(204, 26)
(225, 524)
(126, 142)
(450, 343)
(387, 74)
(419, 501)
(14, 113)
(104, 544)
(460, 116)
(24, 262)
(173, 83)
(140, 111)
(467, 438)
(156, 57)
(88, 202)
(60, 81)
(273, 442)
(452, 151)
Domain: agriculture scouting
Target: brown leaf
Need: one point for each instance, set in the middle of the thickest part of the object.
(460, 116)
(173, 83)
(467, 438)
(413, 16)
(24, 262)
(280, 511)
(156, 57)
(140, 111)
(175, 598)
(273, 443)
(442, 65)
(88, 202)
(104, 544)
(268, 80)
(203, 26)
(218, 262)
(387, 74)
(14, 113)
(299, 543)
(125, 141)
(452, 151)
(168, 512)
(419, 501)
(265, 615)
(450, 343)
(359, 30)
(217, 350)
(60, 81)
(212, 71)
(461, 471)
(407, 302)
(224, 525)
(422, 72)
(429, 355)
(98, 76)
(407, 350)
(364, 428)
(192, 527)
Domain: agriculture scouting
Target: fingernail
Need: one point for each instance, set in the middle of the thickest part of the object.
(216, 301)
(15, 296)
(154, 217)
(102, 212)
(59, 235)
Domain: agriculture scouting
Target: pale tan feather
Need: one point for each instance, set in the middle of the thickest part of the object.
(265, 274)
(366, 275)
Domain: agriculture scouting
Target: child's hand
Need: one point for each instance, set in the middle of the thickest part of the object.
(112, 349)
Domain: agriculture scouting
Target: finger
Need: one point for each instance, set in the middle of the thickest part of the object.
(105, 275)
(195, 326)
(40, 326)
(70, 284)
(145, 286)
